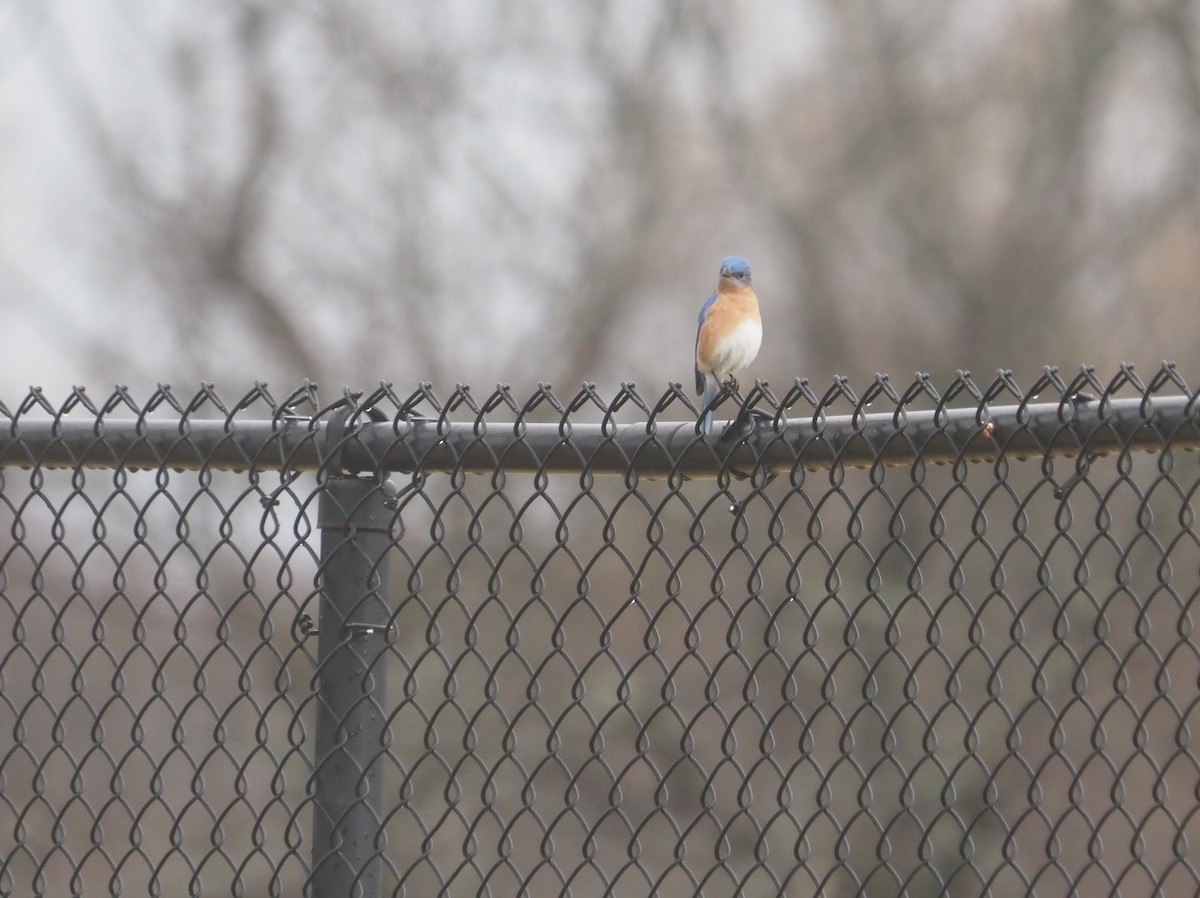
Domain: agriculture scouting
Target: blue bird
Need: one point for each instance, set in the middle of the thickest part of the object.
(728, 335)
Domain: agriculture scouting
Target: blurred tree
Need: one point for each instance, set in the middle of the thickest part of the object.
(352, 192)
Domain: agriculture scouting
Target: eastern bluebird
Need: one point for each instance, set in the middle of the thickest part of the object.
(729, 333)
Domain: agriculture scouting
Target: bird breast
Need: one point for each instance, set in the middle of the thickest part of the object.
(738, 349)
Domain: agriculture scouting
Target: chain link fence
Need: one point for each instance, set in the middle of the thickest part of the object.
(896, 641)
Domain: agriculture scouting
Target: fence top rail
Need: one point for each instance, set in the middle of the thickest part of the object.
(385, 432)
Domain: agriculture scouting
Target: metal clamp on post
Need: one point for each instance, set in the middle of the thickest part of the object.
(337, 431)
(304, 627)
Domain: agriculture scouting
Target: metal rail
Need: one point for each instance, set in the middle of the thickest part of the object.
(755, 441)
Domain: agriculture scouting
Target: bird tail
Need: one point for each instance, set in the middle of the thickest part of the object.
(711, 389)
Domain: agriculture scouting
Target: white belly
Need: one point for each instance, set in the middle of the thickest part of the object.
(737, 350)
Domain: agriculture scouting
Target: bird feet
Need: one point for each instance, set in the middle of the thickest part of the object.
(731, 384)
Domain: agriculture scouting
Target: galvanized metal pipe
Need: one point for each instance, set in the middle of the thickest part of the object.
(656, 449)
(354, 629)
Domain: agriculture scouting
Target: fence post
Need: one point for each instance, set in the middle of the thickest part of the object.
(353, 631)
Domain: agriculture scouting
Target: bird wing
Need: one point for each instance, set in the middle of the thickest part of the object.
(699, 324)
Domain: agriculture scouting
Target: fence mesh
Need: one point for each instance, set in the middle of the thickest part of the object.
(902, 679)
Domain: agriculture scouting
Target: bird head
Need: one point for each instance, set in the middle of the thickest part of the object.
(736, 269)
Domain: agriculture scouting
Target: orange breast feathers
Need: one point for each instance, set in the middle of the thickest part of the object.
(731, 334)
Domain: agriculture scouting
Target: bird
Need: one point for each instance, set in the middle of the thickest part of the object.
(728, 334)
